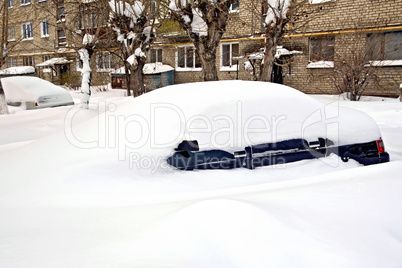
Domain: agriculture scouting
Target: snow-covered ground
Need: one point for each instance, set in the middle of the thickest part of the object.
(69, 198)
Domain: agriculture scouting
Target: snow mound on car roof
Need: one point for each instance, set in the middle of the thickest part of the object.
(230, 115)
(21, 88)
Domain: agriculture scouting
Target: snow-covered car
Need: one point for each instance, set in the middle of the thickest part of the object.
(252, 124)
(33, 92)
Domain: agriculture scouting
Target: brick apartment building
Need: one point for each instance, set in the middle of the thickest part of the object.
(341, 27)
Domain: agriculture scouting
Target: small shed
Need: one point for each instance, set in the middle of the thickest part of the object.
(156, 75)
(55, 70)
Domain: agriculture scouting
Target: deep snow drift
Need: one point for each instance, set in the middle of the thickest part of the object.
(74, 191)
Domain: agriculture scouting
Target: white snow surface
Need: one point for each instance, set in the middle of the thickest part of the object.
(75, 192)
(29, 88)
(277, 9)
(18, 70)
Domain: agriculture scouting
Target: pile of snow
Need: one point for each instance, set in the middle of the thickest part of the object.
(18, 70)
(19, 89)
(68, 200)
(156, 68)
(149, 68)
(54, 61)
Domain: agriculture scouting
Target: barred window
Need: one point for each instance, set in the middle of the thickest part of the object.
(27, 30)
(384, 46)
(104, 61)
(322, 48)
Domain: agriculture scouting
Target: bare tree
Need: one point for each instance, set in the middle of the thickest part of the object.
(134, 25)
(3, 31)
(282, 17)
(81, 26)
(353, 73)
(204, 22)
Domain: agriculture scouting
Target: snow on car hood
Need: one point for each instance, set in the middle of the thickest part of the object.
(227, 115)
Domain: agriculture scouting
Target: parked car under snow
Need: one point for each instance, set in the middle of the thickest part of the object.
(34, 93)
(253, 124)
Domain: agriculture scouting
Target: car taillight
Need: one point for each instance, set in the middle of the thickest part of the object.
(36, 104)
(380, 146)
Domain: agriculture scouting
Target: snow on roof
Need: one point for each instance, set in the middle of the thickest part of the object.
(149, 68)
(155, 68)
(18, 70)
(53, 61)
(280, 51)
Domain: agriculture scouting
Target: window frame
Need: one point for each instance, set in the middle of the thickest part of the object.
(9, 27)
(231, 66)
(28, 61)
(10, 3)
(158, 55)
(26, 30)
(42, 29)
(25, 3)
(61, 40)
(194, 60)
(236, 10)
(382, 43)
(323, 49)
(13, 60)
(109, 62)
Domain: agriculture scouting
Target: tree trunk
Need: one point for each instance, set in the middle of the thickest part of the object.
(85, 55)
(137, 79)
(208, 60)
(269, 58)
(127, 72)
(3, 102)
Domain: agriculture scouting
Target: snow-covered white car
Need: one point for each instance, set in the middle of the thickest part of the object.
(230, 124)
(33, 92)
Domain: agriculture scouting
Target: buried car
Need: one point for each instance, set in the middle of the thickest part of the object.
(253, 124)
(34, 93)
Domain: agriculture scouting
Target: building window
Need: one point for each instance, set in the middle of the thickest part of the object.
(10, 3)
(11, 33)
(11, 62)
(27, 30)
(45, 58)
(384, 46)
(44, 28)
(228, 52)
(187, 58)
(152, 8)
(25, 2)
(28, 61)
(104, 61)
(234, 7)
(156, 55)
(61, 35)
(322, 48)
(60, 9)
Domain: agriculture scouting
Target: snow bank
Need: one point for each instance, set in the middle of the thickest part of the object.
(233, 114)
(31, 89)
(66, 204)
